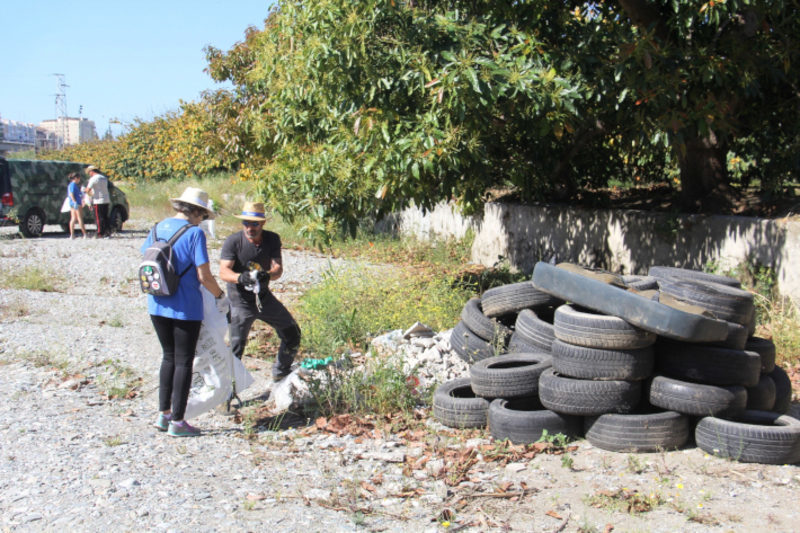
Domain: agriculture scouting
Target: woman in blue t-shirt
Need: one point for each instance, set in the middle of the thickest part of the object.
(75, 204)
(177, 318)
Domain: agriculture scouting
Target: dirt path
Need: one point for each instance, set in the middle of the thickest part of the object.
(74, 458)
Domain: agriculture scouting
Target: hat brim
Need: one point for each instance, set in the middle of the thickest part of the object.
(211, 214)
(251, 218)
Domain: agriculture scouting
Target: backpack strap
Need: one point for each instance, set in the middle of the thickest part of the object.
(178, 234)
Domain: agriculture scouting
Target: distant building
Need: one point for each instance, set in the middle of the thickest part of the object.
(70, 130)
(16, 136)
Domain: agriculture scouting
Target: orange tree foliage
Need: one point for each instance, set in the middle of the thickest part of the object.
(174, 145)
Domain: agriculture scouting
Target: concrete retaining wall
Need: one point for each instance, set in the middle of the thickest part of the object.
(617, 240)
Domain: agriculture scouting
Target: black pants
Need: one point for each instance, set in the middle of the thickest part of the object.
(101, 219)
(178, 340)
(274, 313)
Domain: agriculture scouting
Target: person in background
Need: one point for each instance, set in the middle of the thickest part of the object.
(249, 260)
(75, 204)
(97, 188)
(177, 318)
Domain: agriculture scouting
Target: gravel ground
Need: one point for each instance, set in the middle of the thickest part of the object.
(73, 459)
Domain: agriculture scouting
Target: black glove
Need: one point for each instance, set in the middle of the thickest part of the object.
(263, 275)
(247, 278)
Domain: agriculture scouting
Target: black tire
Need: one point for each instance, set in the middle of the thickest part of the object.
(455, 405)
(484, 327)
(469, 346)
(762, 396)
(634, 308)
(117, 219)
(594, 363)
(523, 421)
(697, 399)
(783, 390)
(756, 437)
(665, 272)
(533, 331)
(725, 302)
(519, 345)
(584, 397)
(640, 283)
(513, 298)
(32, 223)
(765, 348)
(585, 328)
(513, 375)
(708, 364)
(737, 337)
(650, 432)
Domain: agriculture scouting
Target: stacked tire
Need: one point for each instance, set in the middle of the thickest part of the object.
(637, 363)
(709, 370)
(504, 319)
(600, 364)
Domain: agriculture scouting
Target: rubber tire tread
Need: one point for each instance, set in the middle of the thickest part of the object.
(469, 346)
(514, 297)
(756, 437)
(455, 405)
(512, 375)
(519, 345)
(598, 331)
(637, 309)
(766, 349)
(697, 399)
(595, 363)
(725, 302)
(762, 396)
(640, 283)
(584, 397)
(666, 272)
(713, 365)
(484, 327)
(521, 422)
(783, 390)
(532, 330)
(651, 432)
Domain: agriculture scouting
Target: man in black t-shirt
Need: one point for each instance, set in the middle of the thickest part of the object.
(249, 260)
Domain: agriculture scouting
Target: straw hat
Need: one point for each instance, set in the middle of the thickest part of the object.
(253, 211)
(92, 168)
(196, 197)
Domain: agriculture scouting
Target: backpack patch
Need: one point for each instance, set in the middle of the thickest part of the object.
(157, 273)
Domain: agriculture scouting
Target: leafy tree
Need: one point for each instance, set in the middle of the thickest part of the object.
(708, 78)
(357, 107)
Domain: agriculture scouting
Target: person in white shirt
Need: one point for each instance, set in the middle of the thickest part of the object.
(97, 188)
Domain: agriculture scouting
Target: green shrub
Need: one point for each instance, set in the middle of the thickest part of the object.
(381, 387)
(33, 279)
(352, 305)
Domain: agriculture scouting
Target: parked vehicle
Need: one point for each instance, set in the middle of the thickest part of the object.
(32, 192)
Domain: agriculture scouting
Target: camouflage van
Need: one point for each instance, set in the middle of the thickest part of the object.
(32, 192)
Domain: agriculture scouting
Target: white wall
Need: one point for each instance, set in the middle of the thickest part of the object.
(617, 240)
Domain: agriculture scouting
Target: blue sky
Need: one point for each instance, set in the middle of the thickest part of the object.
(119, 59)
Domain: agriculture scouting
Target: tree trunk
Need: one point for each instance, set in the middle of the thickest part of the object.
(704, 175)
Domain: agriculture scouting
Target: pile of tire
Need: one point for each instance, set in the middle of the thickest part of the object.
(633, 363)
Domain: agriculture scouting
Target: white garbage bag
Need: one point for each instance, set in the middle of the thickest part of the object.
(214, 363)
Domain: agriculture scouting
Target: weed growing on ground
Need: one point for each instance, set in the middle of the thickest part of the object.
(45, 360)
(33, 279)
(118, 381)
(625, 500)
(351, 305)
(113, 441)
(381, 387)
